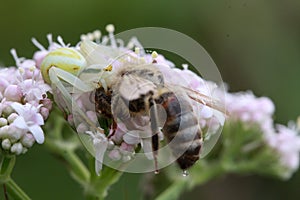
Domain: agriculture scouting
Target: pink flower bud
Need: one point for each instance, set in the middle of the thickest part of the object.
(47, 103)
(27, 65)
(3, 84)
(82, 128)
(39, 56)
(44, 112)
(13, 93)
(266, 105)
(126, 148)
(115, 154)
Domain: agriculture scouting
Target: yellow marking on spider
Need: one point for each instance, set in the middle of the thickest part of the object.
(108, 68)
(66, 59)
(66, 52)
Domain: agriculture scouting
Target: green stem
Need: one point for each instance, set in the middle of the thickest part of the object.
(108, 177)
(7, 165)
(15, 191)
(174, 190)
(205, 173)
(199, 175)
(79, 170)
(100, 184)
(66, 150)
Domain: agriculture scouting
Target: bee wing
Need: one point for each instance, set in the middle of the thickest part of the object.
(205, 100)
(133, 87)
(199, 97)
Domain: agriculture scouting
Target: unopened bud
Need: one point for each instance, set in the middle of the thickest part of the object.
(11, 118)
(6, 144)
(44, 112)
(115, 154)
(7, 110)
(14, 133)
(110, 28)
(13, 93)
(3, 122)
(4, 131)
(27, 140)
(82, 128)
(126, 158)
(17, 148)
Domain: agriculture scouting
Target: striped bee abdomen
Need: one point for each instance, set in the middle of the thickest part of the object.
(181, 129)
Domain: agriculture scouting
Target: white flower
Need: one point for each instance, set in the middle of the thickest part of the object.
(246, 107)
(100, 143)
(34, 91)
(29, 119)
(287, 144)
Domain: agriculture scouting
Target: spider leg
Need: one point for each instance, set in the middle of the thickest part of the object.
(55, 75)
(69, 78)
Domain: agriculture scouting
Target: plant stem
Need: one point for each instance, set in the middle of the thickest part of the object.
(173, 191)
(15, 191)
(205, 173)
(100, 184)
(209, 171)
(78, 168)
(67, 151)
(7, 165)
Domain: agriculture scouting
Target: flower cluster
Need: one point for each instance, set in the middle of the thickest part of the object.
(120, 144)
(252, 110)
(23, 106)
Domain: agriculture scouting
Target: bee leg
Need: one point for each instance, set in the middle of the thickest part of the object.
(155, 131)
(114, 127)
(155, 148)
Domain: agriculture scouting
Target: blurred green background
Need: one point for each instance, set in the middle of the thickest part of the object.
(255, 44)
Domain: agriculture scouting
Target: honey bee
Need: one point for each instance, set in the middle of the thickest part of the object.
(137, 91)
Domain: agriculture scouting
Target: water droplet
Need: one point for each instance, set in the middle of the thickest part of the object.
(185, 173)
(156, 172)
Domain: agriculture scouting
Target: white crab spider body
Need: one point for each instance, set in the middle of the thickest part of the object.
(67, 59)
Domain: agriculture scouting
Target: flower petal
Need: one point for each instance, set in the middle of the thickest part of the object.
(38, 119)
(100, 148)
(37, 133)
(19, 122)
(19, 108)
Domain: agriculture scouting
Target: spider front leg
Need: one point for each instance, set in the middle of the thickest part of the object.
(60, 69)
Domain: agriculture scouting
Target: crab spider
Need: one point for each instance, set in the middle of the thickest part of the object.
(72, 71)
